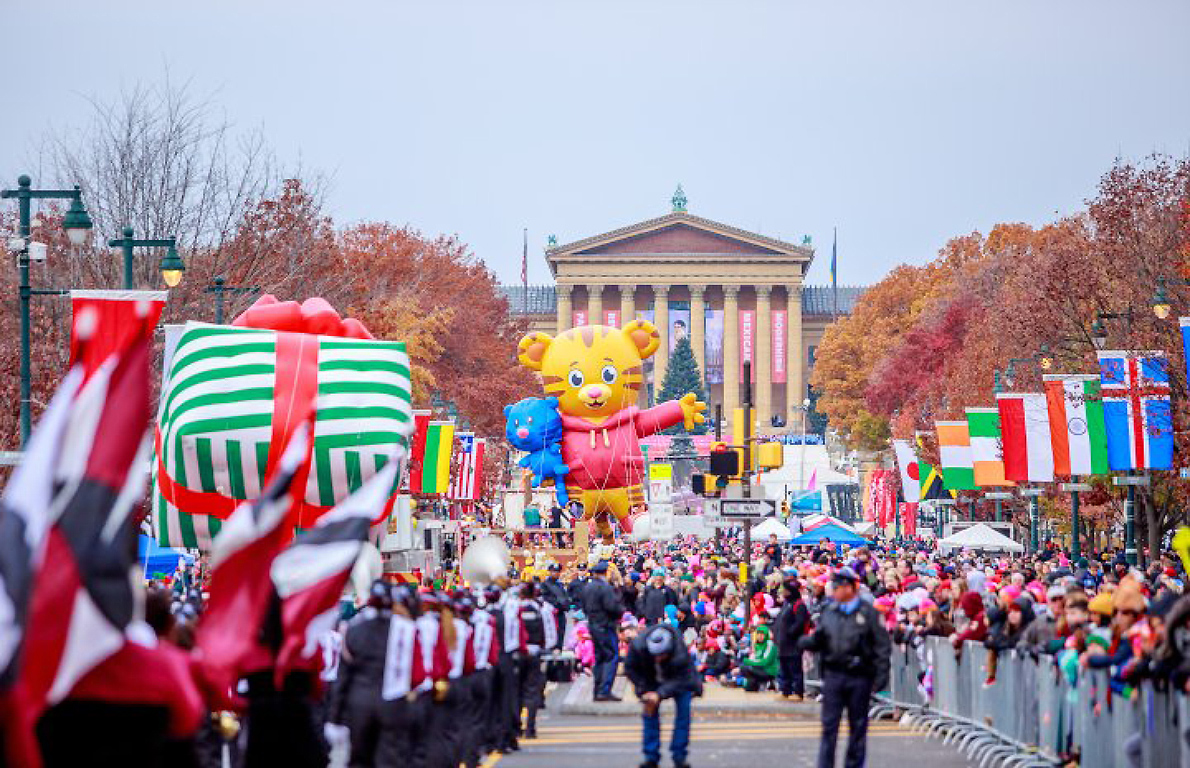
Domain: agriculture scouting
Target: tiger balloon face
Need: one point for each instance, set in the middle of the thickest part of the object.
(593, 370)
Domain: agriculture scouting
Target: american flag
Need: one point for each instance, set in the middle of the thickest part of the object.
(462, 485)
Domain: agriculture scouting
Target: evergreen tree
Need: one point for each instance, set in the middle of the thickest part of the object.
(682, 376)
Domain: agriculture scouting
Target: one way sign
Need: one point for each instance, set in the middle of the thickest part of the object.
(747, 507)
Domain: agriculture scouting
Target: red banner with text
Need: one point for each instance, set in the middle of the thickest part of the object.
(747, 340)
(779, 336)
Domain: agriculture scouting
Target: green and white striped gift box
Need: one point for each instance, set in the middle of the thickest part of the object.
(216, 416)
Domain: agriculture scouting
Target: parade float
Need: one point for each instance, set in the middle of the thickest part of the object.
(594, 374)
(233, 395)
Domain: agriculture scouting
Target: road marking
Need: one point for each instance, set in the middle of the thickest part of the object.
(491, 760)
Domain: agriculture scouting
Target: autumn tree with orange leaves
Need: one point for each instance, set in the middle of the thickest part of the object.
(926, 342)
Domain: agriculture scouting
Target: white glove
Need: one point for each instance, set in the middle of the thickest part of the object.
(336, 735)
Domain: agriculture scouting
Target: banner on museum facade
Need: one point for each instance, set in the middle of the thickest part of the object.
(747, 340)
(679, 323)
(611, 317)
(579, 316)
(779, 336)
(714, 346)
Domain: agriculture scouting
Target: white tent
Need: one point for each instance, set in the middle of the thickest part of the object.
(981, 537)
(865, 529)
(810, 522)
(770, 526)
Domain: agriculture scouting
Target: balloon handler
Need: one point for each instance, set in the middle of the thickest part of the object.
(596, 373)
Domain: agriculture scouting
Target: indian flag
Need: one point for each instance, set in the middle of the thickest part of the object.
(987, 456)
(954, 448)
(1077, 431)
(435, 469)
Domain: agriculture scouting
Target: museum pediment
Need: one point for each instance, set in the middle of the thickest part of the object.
(679, 233)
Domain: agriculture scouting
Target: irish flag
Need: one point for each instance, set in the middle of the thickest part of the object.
(435, 469)
(1025, 429)
(983, 425)
(1077, 433)
(954, 448)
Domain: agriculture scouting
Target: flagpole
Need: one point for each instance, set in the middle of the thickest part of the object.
(835, 271)
(525, 271)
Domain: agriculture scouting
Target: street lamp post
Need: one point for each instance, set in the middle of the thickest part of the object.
(171, 264)
(220, 288)
(78, 227)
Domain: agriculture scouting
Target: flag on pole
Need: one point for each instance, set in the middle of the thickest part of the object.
(931, 484)
(240, 585)
(907, 463)
(835, 270)
(1136, 409)
(435, 471)
(954, 447)
(65, 596)
(987, 456)
(417, 450)
(525, 271)
(480, 446)
(462, 485)
(1028, 450)
(1077, 432)
(310, 575)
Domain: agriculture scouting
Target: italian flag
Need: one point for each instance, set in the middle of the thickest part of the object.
(954, 448)
(1025, 429)
(435, 469)
(1077, 431)
(987, 458)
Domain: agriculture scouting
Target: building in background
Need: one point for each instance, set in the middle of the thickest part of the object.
(738, 295)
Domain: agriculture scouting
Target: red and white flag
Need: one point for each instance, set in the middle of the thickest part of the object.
(417, 450)
(66, 598)
(310, 575)
(1025, 433)
(241, 560)
(477, 482)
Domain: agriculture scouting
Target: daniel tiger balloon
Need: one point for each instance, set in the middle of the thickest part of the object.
(597, 372)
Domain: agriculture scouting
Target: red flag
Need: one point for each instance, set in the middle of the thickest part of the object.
(240, 586)
(110, 320)
(417, 452)
(477, 461)
(310, 575)
(73, 596)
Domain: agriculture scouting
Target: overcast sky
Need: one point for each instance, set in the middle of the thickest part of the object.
(901, 123)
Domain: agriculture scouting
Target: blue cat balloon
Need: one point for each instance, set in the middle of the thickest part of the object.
(533, 425)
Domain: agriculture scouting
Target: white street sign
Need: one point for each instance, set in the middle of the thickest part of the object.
(748, 508)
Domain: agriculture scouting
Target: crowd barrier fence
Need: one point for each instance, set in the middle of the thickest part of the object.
(1032, 715)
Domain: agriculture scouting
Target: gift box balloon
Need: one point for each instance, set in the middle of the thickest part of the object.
(229, 401)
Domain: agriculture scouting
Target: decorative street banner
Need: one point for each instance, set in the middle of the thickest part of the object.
(1136, 409)
(779, 336)
(714, 346)
(579, 317)
(114, 320)
(747, 339)
(611, 318)
(679, 323)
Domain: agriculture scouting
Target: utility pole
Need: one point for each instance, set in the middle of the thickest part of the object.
(746, 478)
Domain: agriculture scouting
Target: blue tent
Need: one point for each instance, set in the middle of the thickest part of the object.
(155, 558)
(832, 532)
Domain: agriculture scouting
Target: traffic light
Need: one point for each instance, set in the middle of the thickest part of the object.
(785, 509)
(725, 461)
(698, 484)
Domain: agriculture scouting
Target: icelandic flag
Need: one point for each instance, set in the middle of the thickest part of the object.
(1136, 409)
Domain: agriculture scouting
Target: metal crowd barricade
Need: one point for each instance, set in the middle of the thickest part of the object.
(1032, 715)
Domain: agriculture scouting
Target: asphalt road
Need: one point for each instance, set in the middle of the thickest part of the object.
(773, 742)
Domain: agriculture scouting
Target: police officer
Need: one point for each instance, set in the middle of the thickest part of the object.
(603, 608)
(554, 593)
(855, 654)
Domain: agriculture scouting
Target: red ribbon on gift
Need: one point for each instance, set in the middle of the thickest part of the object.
(295, 392)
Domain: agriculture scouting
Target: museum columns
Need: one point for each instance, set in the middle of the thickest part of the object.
(562, 292)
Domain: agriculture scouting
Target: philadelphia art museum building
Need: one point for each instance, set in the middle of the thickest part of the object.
(739, 296)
